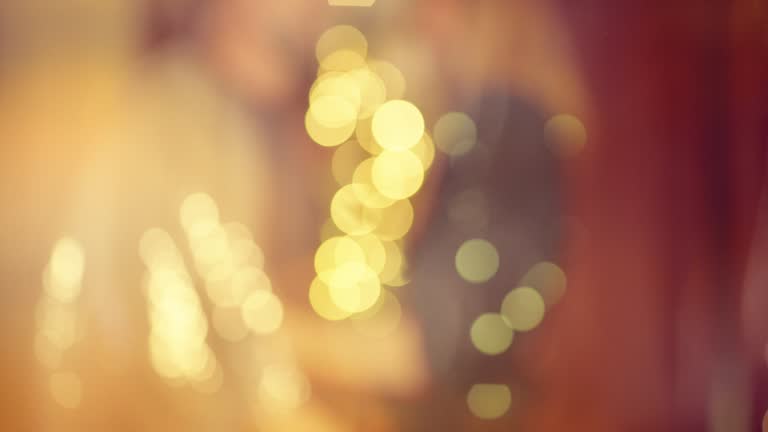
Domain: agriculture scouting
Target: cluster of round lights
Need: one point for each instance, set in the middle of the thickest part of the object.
(230, 266)
(58, 326)
(522, 310)
(382, 154)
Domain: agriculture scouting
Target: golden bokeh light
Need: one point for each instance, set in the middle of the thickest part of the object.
(326, 136)
(477, 260)
(523, 308)
(393, 265)
(489, 401)
(364, 136)
(396, 220)
(282, 387)
(567, 134)
(340, 39)
(490, 334)
(354, 287)
(199, 214)
(372, 90)
(393, 78)
(548, 279)
(397, 174)
(425, 151)
(397, 125)
(64, 274)
(365, 189)
(455, 133)
(351, 215)
(337, 251)
(262, 312)
(375, 254)
(66, 389)
(320, 299)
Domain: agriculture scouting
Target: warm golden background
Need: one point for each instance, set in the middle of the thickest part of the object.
(389, 215)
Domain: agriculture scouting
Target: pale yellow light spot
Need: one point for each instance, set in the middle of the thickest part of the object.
(158, 250)
(490, 334)
(320, 299)
(342, 61)
(455, 133)
(231, 288)
(333, 111)
(489, 401)
(396, 220)
(335, 252)
(354, 287)
(335, 100)
(57, 322)
(477, 260)
(282, 387)
(345, 160)
(375, 254)
(397, 174)
(66, 389)
(358, 3)
(425, 151)
(228, 323)
(64, 274)
(548, 279)
(364, 188)
(340, 38)
(392, 76)
(199, 214)
(397, 125)
(364, 136)
(380, 320)
(262, 312)
(325, 136)
(351, 215)
(523, 308)
(393, 266)
(567, 134)
(373, 91)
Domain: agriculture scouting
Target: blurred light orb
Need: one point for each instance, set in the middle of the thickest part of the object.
(373, 91)
(354, 287)
(490, 334)
(335, 252)
(262, 312)
(477, 260)
(351, 215)
(66, 389)
(396, 220)
(489, 401)
(282, 387)
(65, 270)
(393, 265)
(425, 151)
(324, 135)
(548, 279)
(340, 38)
(359, 3)
(393, 78)
(523, 308)
(321, 302)
(198, 214)
(455, 133)
(364, 188)
(375, 254)
(364, 135)
(567, 134)
(397, 174)
(397, 125)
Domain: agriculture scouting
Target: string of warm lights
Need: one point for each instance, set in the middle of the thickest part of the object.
(382, 155)
(58, 324)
